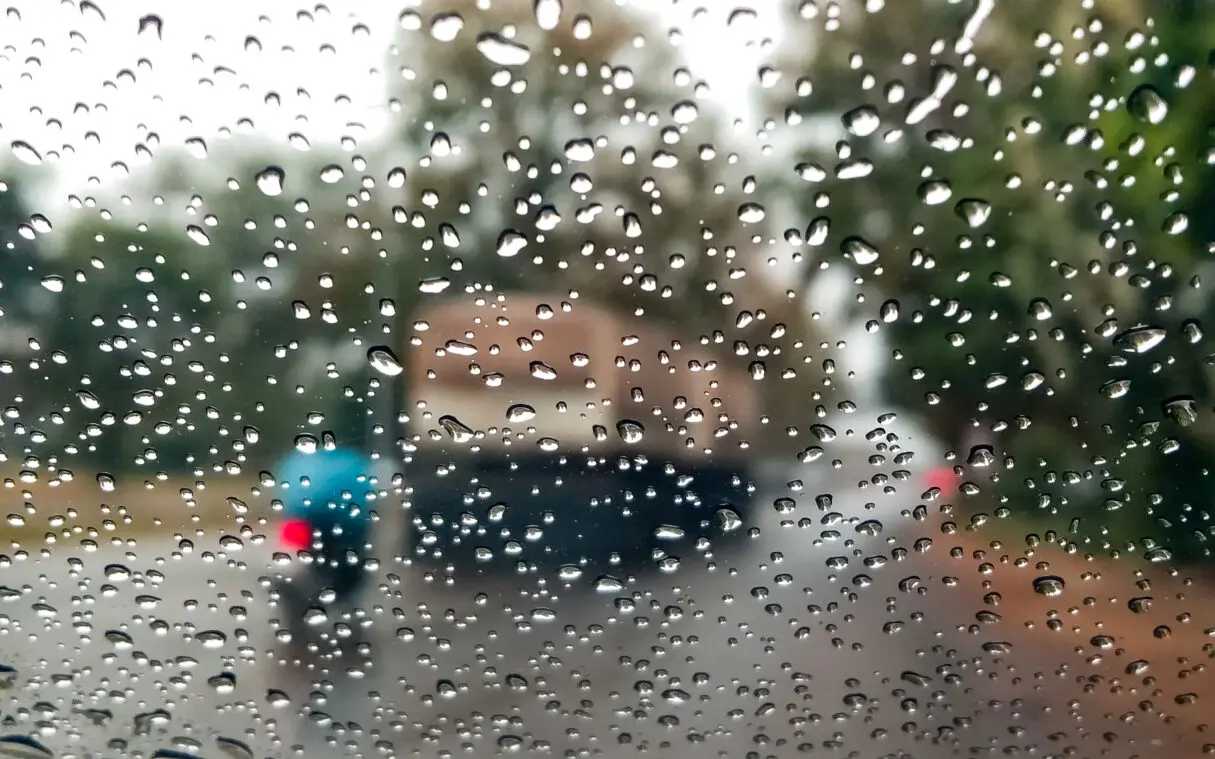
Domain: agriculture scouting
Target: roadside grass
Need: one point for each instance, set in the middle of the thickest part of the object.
(47, 507)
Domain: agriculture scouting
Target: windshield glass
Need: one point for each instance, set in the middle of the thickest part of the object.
(593, 378)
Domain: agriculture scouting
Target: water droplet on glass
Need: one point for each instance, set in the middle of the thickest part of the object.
(53, 283)
(1049, 585)
(445, 27)
(862, 121)
(510, 243)
(26, 153)
(384, 361)
(630, 431)
(197, 234)
(973, 211)
(455, 429)
(520, 412)
(270, 181)
(233, 748)
(981, 456)
(751, 213)
(1146, 104)
(23, 747)
(543, 371)
(1183, 410)
(1139, 339)
(859, 250)
(332, 173)
(548, 13)
(497, 49)
(434, 285)
(1116, 388)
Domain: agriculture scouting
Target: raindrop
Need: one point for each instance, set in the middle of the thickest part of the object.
(862, 121)
(455, 429)
(497, 49)
(728, 520)
(974, 211)
(751, 213)
(1040, 309)
(54, 283)
(543, 371)
(197, 234)
(817, 231)
(445, 27)
(384, 361)
(510, 243)
(934, 192)
(608, 584)
(981, 456)
(580, 150)
(859, 250)
(548, 13)
(23, 747)
(1146, 104)
(1183, 410)
(519, 413)
(434, 285)
(630, 431)
(1139, 339)
(212, 639)
(26, 153)
(1049, 585)
(233, 748)
(270, 181)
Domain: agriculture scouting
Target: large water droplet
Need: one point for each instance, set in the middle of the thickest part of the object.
(455, 429)
(1139, 339)
(1146, 103)
(384, 361)
(519, 413)
(510, 243)
(1049, 585)
(497, 49)
(270, 180)
(630, 431)
(26, 153)
(862, 121)
(548, 13)
(859, 250)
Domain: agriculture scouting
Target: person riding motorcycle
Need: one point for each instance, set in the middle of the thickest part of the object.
(326, 499)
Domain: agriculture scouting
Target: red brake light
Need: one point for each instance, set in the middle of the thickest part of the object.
(942, 477)
(296, 534)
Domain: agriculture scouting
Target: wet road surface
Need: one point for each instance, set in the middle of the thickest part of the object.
(808, 637)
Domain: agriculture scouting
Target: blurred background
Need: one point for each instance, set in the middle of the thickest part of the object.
(955, 251)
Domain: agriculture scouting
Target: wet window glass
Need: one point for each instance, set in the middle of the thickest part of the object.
(592, 378)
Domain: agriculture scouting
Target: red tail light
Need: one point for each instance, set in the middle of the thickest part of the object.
(942, 477)
(296, 534)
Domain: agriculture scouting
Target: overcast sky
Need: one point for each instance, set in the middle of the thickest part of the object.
(63, 53)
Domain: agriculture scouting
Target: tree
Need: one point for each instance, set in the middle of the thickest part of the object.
(1023, 219)
(572, 151)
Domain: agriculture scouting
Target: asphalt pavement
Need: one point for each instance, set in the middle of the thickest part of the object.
(807, 637)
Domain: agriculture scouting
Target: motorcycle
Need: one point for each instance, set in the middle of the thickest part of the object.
(325, 499)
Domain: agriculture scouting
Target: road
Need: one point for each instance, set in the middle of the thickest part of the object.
(802, 639)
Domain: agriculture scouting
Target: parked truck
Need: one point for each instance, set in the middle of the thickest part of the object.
(547, 429)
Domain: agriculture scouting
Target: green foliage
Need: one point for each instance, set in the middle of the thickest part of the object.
(1025, 313)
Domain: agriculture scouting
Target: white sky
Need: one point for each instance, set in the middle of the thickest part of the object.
(59, 54)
